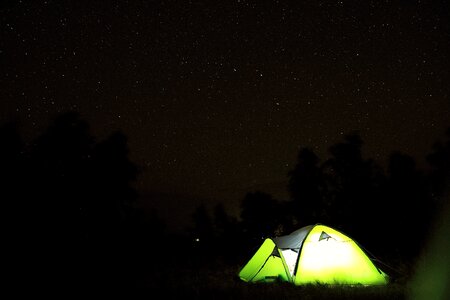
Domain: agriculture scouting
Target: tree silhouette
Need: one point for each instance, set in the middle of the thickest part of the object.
(352, 187)
(260, 215)
(352, 193)
(14, 233)
(202, 236)
(112, 177)
(306, 187)
(69, 201)
(203, 230)
(227, 233)
(409, 207)
(60, 168)
(439, 161)
(389, 212)
(12, 160)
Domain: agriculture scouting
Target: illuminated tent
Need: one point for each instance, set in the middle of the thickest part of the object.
(312, 254)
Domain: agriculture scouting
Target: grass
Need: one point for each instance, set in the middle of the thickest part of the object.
(207, 283)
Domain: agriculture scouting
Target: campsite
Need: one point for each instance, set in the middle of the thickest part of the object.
(237, 149)
(100, 238)
(314, 254)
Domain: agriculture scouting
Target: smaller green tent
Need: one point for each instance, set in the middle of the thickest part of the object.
(312, 254)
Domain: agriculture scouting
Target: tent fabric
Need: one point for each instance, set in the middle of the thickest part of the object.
(313, 254)
(335, 260)
(294, 240)
(265, 265)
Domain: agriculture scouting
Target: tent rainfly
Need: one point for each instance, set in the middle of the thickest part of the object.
(312, 254)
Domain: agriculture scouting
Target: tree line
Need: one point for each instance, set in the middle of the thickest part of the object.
(389, 212)
(71, 218)
(69, 208)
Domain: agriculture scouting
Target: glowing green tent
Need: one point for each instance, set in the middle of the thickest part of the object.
(312, 254)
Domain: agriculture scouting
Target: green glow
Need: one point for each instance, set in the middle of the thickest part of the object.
(337, 260)
(432, 275)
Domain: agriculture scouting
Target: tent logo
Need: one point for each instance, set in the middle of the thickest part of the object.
(325, 236)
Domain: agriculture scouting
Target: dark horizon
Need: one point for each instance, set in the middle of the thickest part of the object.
(176, 209)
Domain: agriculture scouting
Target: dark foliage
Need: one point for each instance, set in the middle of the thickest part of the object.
(389, 212)
(71, 219)
(69, 208)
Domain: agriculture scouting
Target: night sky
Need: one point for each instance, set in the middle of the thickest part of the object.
(217, 97)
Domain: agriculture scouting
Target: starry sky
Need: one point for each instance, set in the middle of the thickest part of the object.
(217, 97)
